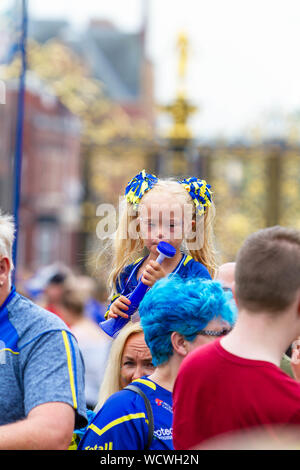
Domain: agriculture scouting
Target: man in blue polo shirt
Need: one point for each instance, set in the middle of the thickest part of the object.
(41, 368)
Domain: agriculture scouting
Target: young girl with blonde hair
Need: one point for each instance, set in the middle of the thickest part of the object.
(179, 212)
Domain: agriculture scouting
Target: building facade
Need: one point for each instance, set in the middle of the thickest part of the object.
(51, 176)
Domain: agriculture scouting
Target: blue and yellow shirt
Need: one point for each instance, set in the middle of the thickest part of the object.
(121, 424)
(39, 361)
(187, 267)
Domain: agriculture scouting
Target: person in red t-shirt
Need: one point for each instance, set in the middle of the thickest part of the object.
(234, 384)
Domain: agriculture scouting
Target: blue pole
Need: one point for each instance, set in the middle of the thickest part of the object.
(19, 131)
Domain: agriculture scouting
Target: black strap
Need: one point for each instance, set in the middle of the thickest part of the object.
(136, 389)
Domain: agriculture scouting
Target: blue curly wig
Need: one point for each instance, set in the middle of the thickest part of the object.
(182, 305)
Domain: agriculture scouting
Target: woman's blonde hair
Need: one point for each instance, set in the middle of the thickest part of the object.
(126, 248)
(111, 379)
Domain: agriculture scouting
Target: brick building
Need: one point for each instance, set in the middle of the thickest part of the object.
(51, 175)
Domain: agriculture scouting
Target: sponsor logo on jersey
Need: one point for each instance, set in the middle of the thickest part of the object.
(163, 404)
(107, 446)
(163, 433)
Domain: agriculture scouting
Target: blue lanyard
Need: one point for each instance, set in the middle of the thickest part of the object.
(133, 272)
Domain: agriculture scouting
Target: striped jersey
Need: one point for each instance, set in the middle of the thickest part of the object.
(122, 422)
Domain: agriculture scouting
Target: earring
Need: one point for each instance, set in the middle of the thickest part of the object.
(1, 283)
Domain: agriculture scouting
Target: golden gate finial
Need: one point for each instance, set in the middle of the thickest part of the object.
(180, 109)
(182, 46)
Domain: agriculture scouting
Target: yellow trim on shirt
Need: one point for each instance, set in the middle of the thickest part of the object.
(117, 421)
(146, 382)
(70, 369)
(187, 259)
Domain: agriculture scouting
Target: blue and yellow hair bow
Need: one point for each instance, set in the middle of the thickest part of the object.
(138, 186)
(200, 192)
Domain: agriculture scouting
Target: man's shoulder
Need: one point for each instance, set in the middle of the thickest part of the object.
(201, 354)
(125, 400)
(31, 320)
(121, 407)
(281, 376)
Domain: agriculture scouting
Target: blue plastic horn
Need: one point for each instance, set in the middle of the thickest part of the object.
(112, 326)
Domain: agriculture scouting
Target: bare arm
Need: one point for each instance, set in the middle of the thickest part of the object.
(47, 427)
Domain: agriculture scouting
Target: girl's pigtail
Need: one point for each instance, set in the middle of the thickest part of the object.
(204, 250)
(205, 253)
(126, 246)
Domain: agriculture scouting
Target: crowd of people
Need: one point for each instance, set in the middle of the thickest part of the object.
(209, 360)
